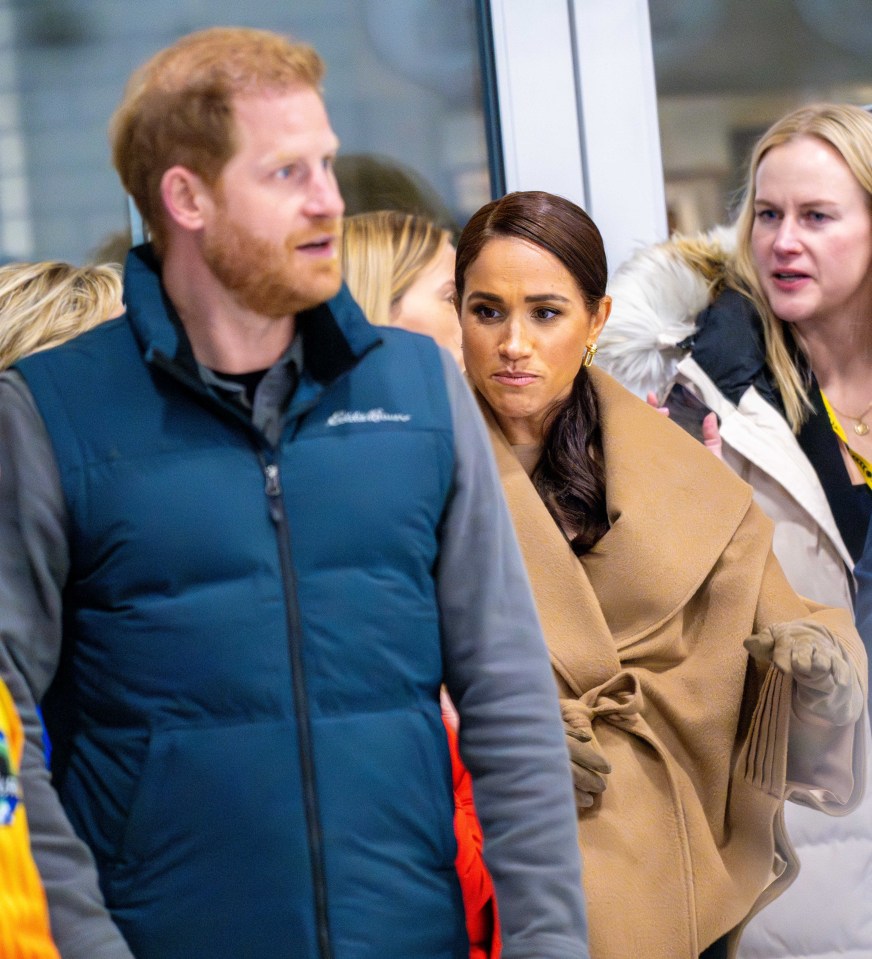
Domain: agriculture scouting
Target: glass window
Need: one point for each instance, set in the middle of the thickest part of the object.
(727, 69)
(403, 88)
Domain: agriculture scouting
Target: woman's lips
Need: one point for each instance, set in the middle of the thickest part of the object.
(514, 378)
(789, 280)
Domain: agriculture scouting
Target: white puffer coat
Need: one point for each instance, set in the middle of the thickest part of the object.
(657, 296)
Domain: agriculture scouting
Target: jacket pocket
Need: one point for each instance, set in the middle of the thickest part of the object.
(218, 801)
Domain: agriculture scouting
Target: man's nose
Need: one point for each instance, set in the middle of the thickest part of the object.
(324, 198)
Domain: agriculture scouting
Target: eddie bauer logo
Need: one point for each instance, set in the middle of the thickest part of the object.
(341, 417)
(10, 788)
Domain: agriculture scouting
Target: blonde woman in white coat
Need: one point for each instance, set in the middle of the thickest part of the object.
(771, 328)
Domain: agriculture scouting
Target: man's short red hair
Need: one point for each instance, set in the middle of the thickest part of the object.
(177, 108)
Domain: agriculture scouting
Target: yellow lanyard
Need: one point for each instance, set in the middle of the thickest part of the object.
(865, 466)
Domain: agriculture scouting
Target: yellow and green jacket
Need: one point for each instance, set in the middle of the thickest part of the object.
(24, 928)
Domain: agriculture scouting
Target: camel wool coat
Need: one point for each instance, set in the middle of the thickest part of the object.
(645, 633)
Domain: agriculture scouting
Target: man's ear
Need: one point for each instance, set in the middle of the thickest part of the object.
(186, 198)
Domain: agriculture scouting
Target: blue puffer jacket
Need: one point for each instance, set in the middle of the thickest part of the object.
(252, 646)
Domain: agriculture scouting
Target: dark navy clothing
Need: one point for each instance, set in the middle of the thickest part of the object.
(257, 616)
(863, 574)
(178, 561)
(729, 347)
(728, 344)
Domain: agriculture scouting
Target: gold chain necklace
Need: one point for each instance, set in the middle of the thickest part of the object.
(860, 428)
(864, 465)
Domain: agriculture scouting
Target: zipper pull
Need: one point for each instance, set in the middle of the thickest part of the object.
(273, 482)
(273, 488)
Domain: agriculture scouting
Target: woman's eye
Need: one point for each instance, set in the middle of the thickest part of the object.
(485, 312)
(766, 216)
(815, 216)
(545, 313)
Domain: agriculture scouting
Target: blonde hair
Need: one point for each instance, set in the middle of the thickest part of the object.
(848, 130)
(45, 304)
(382, 254)
(178, 107)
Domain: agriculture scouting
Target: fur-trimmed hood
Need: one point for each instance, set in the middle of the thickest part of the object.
(656, 297)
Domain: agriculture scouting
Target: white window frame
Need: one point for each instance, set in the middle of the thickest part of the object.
(578, 111)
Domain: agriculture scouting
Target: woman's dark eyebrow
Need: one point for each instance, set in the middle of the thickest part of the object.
(533, 298)
(545, 297)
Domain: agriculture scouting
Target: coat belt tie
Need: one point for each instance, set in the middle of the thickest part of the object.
(618, 701)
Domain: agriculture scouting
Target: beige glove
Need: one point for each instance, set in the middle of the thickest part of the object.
(589, 766)
(826, 685)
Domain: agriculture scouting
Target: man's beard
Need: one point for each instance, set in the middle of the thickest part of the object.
(260, 275)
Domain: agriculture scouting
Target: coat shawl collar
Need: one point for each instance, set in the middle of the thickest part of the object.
(654, 557)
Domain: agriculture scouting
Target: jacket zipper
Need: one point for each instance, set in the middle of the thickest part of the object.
(273, 489)
(275, 502)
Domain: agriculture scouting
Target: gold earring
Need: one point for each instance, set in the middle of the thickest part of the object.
(589, 353)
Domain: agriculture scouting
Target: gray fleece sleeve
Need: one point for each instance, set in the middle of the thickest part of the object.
(511, 735)
(34, 562)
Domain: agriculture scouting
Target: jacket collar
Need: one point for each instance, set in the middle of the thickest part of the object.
(335, 334)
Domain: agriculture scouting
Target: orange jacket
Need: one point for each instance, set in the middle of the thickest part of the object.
(24, 927)
(479, 902)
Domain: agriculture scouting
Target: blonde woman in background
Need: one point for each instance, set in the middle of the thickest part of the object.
(770, 326)
(400, 269)
(41, 305)
(44, 304)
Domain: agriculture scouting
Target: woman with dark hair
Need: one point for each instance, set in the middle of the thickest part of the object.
(698, 690)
